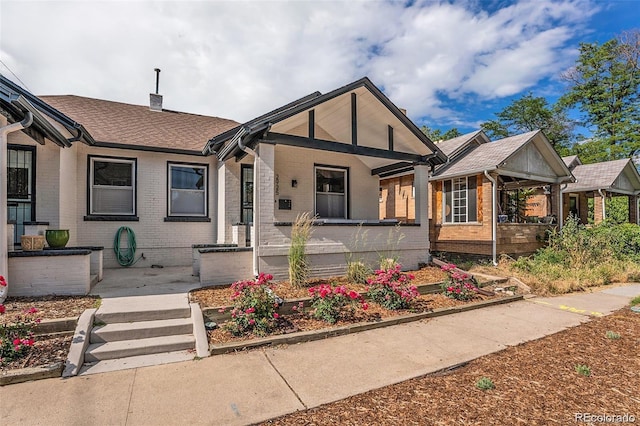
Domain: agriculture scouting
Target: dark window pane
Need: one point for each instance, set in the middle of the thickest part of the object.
(187, 178)
(112, 174)
(447, 201)
(472, 214)
(330, 181)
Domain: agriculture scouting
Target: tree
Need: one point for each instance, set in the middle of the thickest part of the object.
(604, 85)
(437, 134)
(532, 113)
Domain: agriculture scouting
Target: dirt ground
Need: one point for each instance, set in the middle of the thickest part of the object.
(536, 383)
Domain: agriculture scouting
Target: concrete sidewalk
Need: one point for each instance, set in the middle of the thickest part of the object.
(253, 386)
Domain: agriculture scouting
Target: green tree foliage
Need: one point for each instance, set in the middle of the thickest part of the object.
(438, 135)
(532, 113)
(604, 86)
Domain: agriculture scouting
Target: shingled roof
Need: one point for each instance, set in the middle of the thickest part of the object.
(116, 123)
(615, 176)
(454, 145)
(487, 156)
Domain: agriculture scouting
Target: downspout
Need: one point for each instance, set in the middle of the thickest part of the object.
(494, 214)
(4, 259)
(256, 204)
(604, 212)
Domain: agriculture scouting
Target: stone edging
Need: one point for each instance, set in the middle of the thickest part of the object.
(307, 336)
(10, 377)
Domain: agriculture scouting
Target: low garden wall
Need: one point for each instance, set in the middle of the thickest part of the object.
(225, 265)
(48, 272)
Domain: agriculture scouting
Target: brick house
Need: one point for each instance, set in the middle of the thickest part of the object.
(600, 181)
(474, 196)
(184, 183)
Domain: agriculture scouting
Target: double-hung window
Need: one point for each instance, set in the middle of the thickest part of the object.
(331, 192)
(460, 200)
(187, 190)
(112, 186)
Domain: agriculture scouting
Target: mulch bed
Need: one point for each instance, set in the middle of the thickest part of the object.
(47, 349)
(535, 384)
(293, 323)
(48, 307)
(221, 295)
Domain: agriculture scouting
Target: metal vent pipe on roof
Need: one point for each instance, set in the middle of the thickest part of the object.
(155, 99)
(157, 70)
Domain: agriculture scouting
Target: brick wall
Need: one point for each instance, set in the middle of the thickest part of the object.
(214, 267)
(46, 275)
(397, 199)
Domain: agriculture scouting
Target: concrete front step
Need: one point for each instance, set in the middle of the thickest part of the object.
(129, 348)
(143, 308)
(141, 330)
(136, 362)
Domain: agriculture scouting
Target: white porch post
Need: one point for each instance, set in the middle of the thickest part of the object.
(263, 198)
(4, 258)
(421, 181)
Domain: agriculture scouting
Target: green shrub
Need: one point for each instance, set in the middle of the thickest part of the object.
(330, 303)
(392, 289)
(485, 383)
(583, 370)
(612, 335)
(254, 307)
(635, 301)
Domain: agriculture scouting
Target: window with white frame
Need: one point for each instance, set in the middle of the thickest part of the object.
(112, 184)
(187, 189)
(460, 200)
(331, 192)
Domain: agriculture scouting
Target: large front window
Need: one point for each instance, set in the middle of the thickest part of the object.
(331, 192)
(460, 200)
(187, 190)
(112, 186)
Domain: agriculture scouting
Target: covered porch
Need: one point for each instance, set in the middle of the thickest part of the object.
(323, 155)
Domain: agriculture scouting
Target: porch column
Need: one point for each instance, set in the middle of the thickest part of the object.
(4, 134)
(421, 181)
(556, 203)
(263, 198)
(633, 209)
(599, 213)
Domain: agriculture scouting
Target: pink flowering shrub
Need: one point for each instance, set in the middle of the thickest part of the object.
(328, 303)
(459, 285)
(392, 289)
(16, 338)
(254, 306)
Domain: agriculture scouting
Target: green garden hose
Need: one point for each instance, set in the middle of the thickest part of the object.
(126, 256)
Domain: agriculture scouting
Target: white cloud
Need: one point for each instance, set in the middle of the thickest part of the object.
(241, 59)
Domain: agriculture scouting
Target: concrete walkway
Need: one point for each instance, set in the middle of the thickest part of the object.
(254, 386)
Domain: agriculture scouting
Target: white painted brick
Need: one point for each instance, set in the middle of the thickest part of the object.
(44, 275)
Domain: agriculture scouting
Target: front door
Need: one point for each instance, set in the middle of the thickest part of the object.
(21, 185)
(246, 198)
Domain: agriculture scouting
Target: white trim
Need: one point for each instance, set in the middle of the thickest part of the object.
(466, 199)
(345, 194)
(170, 189)
(131, 188)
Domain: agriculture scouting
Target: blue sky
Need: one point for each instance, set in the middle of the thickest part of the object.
(449, 63)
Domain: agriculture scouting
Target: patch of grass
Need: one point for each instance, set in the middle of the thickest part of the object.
(635, 301)
(583, 370)
(485, 383)
(612, 335)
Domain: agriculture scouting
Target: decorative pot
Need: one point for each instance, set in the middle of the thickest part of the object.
(57, 238)
(32, 242)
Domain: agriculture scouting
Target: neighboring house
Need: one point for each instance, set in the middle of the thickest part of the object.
(601, 181)
(153, 170)
(474, 196)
